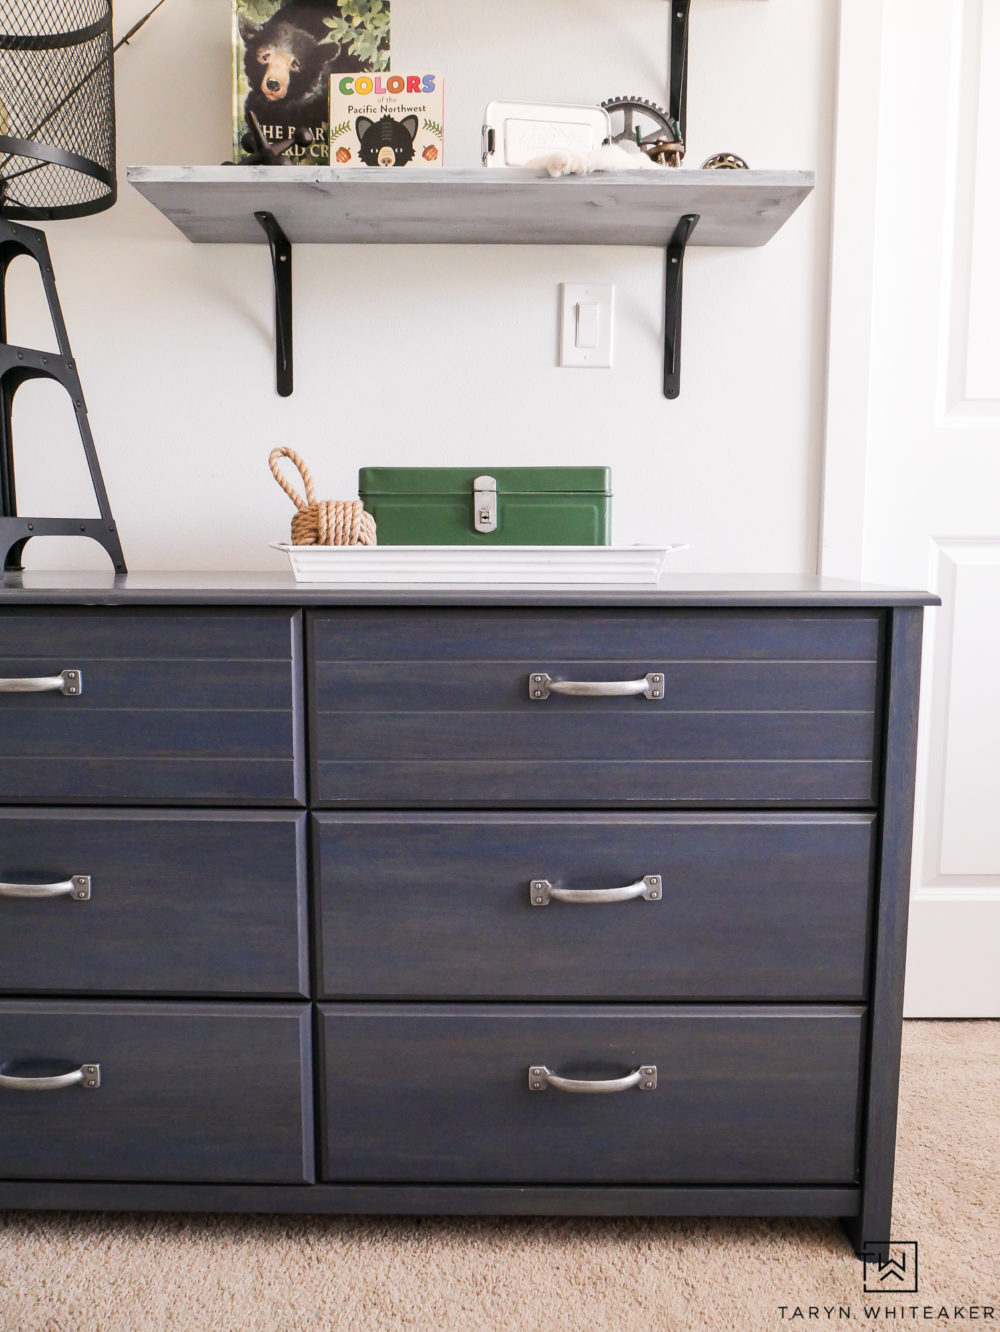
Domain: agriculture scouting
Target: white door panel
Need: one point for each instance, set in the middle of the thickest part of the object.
(968, 694)
(925, 476)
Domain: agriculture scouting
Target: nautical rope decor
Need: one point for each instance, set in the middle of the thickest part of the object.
(323, 522)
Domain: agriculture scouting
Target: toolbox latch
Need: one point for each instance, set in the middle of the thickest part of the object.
(484, 504)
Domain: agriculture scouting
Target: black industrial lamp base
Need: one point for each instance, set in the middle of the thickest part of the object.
(18, 364)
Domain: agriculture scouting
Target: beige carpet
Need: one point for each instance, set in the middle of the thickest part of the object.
(119, 1273)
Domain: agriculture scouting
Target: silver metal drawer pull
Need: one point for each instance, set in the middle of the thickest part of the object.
(77, 887)
(66, 682)
(87, 1076)
(541, 686)
(541, 892)
(540, 1077)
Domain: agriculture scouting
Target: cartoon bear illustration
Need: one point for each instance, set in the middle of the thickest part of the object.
(386, 142)
(287, 68)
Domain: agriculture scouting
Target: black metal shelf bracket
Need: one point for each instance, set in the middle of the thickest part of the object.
(281, 264)
(680, 11)
(673, 304)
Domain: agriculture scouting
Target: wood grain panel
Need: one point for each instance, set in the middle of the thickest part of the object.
(474, 783)
(627, 728)
(71, 733)
(146, 781)
(428, 906)
(764, 1095)
(432, 706)
(873, 1222)
(435, 1200)
(196, 1092)
(160, 634)
(180, 707)
(473, 634)
(415, 685)
(181, 903)
(189, 683)
(517, 205)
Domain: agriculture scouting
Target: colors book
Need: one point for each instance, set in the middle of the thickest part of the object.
(386, 120)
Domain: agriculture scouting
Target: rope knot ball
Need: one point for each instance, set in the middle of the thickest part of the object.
(322, 522)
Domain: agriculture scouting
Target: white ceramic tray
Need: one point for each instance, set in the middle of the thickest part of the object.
(533, 565)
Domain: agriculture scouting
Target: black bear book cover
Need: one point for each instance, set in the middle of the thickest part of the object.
(284, 55)
(393, 120)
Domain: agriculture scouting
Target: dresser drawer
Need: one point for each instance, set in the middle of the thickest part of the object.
(187, 707)
(175, 902)
(437, 707)
(194, 1092)
(747, 906)
(441, 1092)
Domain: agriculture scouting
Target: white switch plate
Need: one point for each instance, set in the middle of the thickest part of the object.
(581, 305)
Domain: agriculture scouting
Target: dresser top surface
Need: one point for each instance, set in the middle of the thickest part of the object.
(280, 589)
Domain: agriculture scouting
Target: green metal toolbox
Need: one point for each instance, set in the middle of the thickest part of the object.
(510, 506)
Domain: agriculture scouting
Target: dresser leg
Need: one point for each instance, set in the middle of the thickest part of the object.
(858, 1232)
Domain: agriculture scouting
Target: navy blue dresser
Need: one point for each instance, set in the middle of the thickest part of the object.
(565, 901)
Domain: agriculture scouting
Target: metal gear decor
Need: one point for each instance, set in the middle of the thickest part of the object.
(636, 120)
(725, 162)
(664, 149)
(639, 119)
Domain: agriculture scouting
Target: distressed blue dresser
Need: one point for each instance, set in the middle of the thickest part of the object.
(427, 901)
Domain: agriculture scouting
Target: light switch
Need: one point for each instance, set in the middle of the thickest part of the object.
(586, 316)
(588, 323)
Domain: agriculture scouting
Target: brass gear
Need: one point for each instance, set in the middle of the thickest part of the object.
(725, 162)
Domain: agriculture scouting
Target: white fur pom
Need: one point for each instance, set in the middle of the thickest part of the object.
(609, 157)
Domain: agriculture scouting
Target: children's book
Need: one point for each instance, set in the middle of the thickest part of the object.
(380, 119)
(284, 55)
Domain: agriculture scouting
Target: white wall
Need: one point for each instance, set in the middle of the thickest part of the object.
(427, 355)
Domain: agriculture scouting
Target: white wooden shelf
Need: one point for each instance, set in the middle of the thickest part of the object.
(666, 208)
(284, 206)
(512, 206)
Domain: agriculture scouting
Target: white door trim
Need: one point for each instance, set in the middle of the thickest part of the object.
(852, 262)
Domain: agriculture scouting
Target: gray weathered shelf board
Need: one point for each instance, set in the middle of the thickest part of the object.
(517, 206)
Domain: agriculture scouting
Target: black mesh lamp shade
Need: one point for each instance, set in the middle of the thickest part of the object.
(57, 108)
